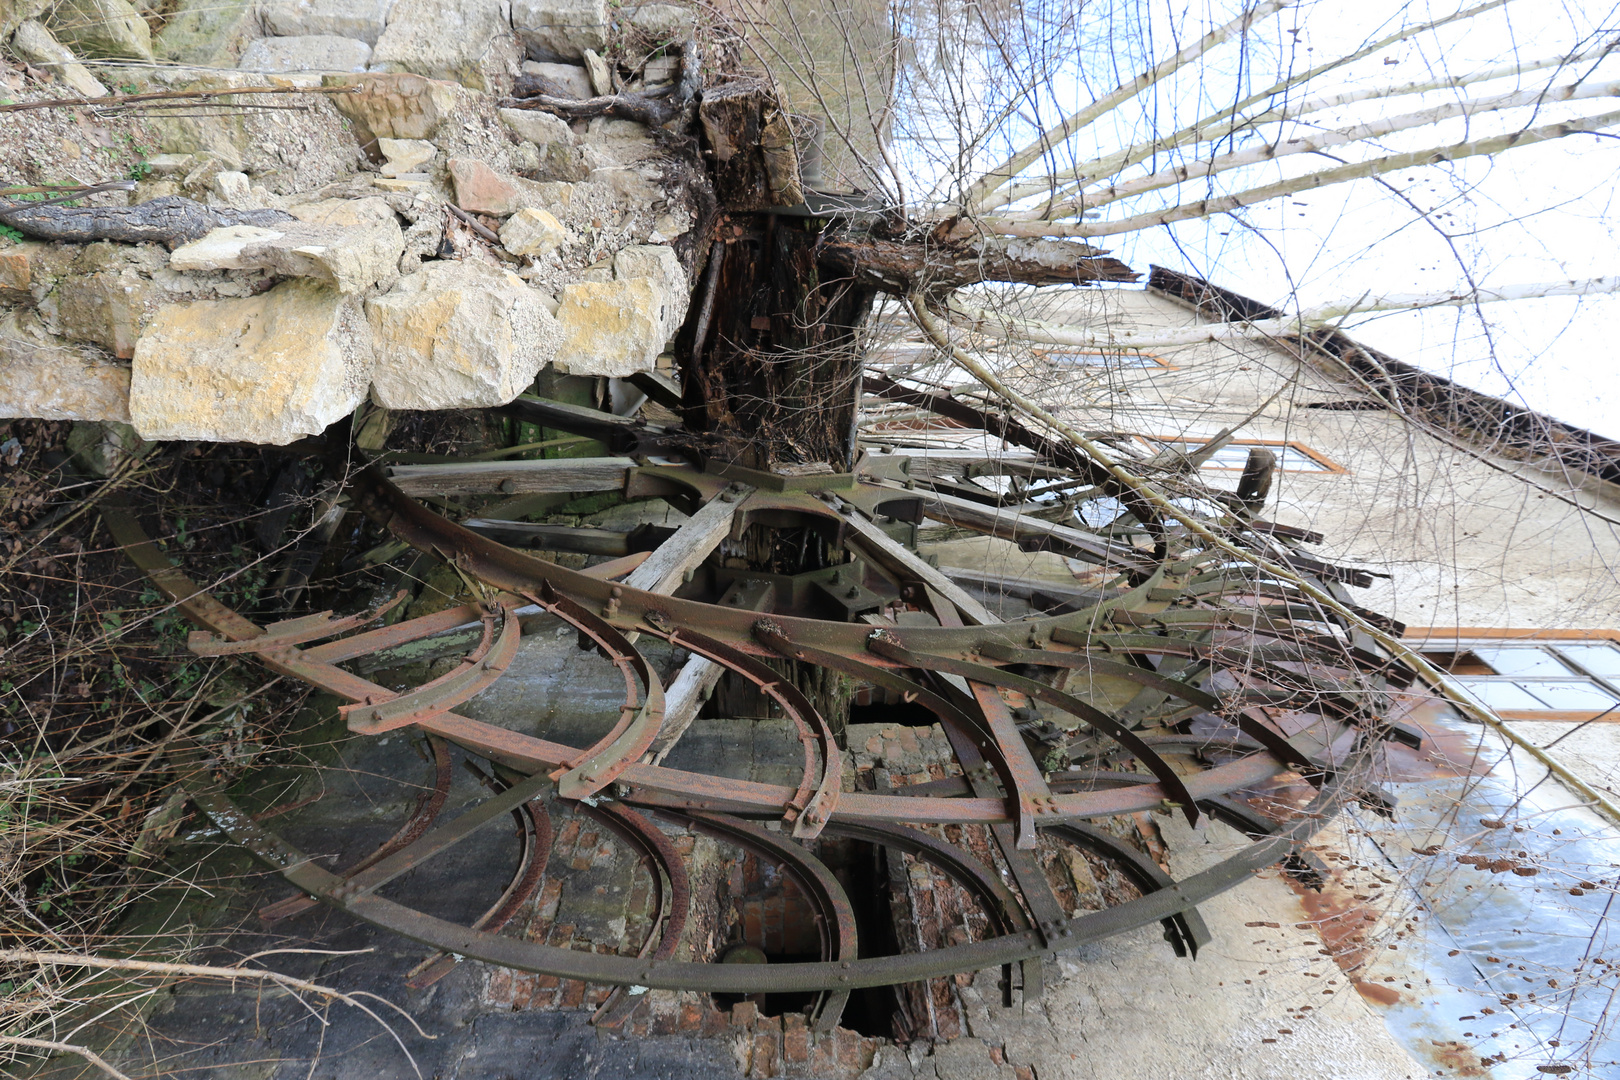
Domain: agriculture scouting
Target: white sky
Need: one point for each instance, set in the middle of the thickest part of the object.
(1533, 214)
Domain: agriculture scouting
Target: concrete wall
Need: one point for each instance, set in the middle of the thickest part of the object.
(1469, 538)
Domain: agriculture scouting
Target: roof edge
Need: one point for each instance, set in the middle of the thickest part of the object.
(1481, 419)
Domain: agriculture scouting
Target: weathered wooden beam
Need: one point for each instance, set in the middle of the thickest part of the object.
(685, 696)
(617, 567)
(552, 475)
(776, 381)
(755, 166)
(699, 535)
(552, 537)
(663, 573)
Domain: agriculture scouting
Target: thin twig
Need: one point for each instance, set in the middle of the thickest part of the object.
(126, 99)
(156, 967)
(64, 1048)
(931, 326)
(473, 223)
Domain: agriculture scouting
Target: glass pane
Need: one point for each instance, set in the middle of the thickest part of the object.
(1501, 695)
(1236, 456)
(1228, 457)
(1296, 461)
(1521, 660)
(1601, 660)
(1571, 695)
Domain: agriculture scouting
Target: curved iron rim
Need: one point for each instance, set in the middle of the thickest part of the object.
(1168, 902)
(834, 976)
(658, 786)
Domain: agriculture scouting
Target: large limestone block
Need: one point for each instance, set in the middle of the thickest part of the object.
(560, 29)
(534, 232)
(631, 185)
(16, 273)
(102, 295)
(394, 105)
(537, 127)
(466, 41)
(348, 256)
(351, 260)
(207, 33)
(572, 79)
(13, 13)
(40, 48)
(52, 381)
(482, 190)
(405, 155)
(221, 249)
(663, 23)
(368, 212)
(323, 52)
(612, 328)
(362, 20)
(663, 267)
(102, 28)
(597, 69)
(458, 335)
(265, 369)
(233, 189)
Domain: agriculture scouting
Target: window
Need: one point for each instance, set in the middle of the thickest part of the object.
(1291, 456)
(1098, 358)
(1530, 675)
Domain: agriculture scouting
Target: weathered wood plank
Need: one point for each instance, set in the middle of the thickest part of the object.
(682, 701)
(699, 535)
(552, 475)
(552, 537)
(684, 698)
(617, 567)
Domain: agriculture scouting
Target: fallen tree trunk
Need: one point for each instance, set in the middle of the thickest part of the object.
(171, 220)
(901, 267)
(654, 110)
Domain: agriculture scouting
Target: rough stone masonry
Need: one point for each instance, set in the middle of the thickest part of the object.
(410, 241)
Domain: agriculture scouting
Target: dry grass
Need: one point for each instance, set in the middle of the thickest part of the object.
(96, 686)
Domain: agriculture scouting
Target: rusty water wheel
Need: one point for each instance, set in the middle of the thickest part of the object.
(1169, 686)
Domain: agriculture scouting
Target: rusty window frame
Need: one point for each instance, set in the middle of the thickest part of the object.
(1455, 641)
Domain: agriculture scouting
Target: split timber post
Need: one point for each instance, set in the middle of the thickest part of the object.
(772, 364)
(772, 346)
(772, 350)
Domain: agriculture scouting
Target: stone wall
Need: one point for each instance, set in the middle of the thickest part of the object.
(364, 282)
